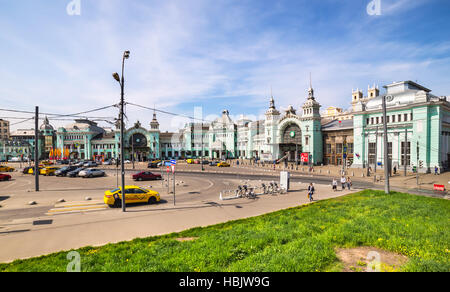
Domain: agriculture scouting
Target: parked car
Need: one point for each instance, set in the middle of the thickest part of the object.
(48, 171)
(65, 170)
(223, 164)
(90, 164)
(154, 164)
(206, 162)
(80, 163)
(190, 161)
(26, 170)
(91, 172)
(5, 177)
(14, 159)
(74, 173)
(133, 194)
(127, 162)
(146, 175)
(213, 163)
(107, 162)
(5, 168)
(31, 169)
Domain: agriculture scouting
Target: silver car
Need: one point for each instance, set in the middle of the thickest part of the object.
(91, 172)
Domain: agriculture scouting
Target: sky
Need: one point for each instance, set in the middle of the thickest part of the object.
(214, 54)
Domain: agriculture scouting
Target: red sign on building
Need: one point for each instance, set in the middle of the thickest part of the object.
(305, 157)
(440, 188)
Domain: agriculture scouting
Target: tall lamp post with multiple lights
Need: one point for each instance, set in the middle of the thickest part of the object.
(121, 81)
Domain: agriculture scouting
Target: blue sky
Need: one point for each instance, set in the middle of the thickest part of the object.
(218, 54)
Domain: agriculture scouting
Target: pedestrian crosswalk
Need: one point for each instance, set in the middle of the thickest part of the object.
(77, 207)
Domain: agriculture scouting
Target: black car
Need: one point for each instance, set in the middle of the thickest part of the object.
(205, 162)
(153, 165)
(213, 163)
(74, 173)
(65, 170)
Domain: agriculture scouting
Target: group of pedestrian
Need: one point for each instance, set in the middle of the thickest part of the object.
(345, 183)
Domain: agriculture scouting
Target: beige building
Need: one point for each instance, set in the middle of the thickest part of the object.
(4, 130)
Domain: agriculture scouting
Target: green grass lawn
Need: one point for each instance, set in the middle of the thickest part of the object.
(297, 239)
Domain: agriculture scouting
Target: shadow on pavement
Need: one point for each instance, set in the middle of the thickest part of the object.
(4, 198)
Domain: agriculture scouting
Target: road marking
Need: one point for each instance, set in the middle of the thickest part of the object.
(75, 210)
(77, 207)
(79, 204)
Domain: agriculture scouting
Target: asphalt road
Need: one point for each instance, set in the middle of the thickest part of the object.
(266, 177)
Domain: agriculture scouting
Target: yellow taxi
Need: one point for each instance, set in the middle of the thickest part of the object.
(133, 194)
(223, 164)
(47, 171)
(31, 170)
(190, 161)
(5, 168)
(46, 162)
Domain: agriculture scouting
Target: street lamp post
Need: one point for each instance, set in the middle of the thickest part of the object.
(203, 150)
(121, 81)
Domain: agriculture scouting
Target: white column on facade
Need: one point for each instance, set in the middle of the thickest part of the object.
(395, 150)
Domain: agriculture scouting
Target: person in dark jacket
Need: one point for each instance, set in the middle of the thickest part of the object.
(311, 192)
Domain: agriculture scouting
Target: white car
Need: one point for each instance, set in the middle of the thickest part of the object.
(14, 159)
(91, 172)
(127, 162)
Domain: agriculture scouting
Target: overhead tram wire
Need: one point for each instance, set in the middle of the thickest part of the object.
(21, 122)
(172, 114)
(56, 116)
(59, 115)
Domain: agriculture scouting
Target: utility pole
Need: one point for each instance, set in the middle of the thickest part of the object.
(173, 176)
(386, 154)
(36, 150)
(132, 148)
(417, 165)
(405, 148)
(376, 156)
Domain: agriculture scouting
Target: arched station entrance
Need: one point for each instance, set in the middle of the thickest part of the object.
(291, 142)
(138, 146)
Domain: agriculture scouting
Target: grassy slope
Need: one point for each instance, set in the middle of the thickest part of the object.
(297, 239)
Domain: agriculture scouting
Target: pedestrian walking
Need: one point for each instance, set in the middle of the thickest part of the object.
(311, 192)
(343, 182)
(349, 183)
(334, 184)
(436, 170)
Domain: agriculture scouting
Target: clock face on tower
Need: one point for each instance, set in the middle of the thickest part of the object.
(138, 140)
